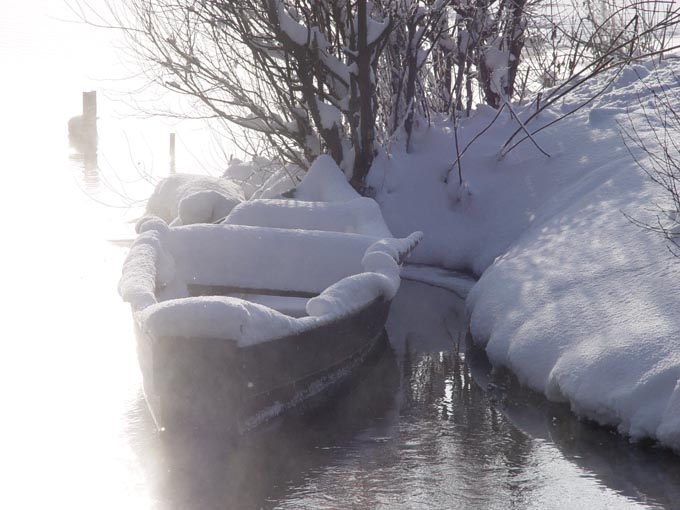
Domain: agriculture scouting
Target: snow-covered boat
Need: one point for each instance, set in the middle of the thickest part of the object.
(239, 322)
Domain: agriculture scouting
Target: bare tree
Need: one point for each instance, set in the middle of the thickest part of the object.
(595, 45)
(299, 73)
(344, 76)
(566, 37)
(312, 76)
(658, 156)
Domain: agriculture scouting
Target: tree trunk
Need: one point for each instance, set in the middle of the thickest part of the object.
(412, 70)
(364, 88)
(515, 39)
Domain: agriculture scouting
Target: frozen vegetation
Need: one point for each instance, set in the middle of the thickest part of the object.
(580, 303)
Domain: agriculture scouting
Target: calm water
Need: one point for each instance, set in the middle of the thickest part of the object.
(426, 427)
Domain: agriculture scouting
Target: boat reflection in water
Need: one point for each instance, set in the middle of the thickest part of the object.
(261, 468)
(427, 425)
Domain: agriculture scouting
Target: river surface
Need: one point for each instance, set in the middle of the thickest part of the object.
(428, 426)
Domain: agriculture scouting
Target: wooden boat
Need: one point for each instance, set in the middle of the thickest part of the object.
(238, 324)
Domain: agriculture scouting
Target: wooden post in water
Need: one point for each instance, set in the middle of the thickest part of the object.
(90, 112)
(172, 153)
(82, 130)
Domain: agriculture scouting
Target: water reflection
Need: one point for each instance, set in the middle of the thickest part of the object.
(87, 162)
(262, 469)
(639, 471)
(83, 137)
(534, 451)
(440, 390)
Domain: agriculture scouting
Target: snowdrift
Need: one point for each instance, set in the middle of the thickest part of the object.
(576, 300)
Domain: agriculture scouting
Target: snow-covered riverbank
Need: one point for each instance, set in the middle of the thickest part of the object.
(576, 300)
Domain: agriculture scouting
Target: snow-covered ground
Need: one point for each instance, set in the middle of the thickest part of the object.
(580, 303)
(573, 297)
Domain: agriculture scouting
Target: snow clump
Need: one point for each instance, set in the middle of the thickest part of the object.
(170, 191)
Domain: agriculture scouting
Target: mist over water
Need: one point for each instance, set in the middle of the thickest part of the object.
(427, 426)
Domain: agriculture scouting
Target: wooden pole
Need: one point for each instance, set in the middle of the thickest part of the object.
(90, 110)
(172, 153)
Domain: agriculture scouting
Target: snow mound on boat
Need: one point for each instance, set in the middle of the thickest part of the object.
(358, 215)
(382, 278)
(170, 192)
(349, 270)
(147, 265)
(264, 258)
(333, 244)
(218, 317)
(204, 207)
(325, 182)
(138, 282)
(349, 294)
(248, 323)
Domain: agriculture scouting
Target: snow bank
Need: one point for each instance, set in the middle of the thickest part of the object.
(359, 215)
(466, 229)
(169, 193)
(325, 182)
(584, 308)
(581, 304)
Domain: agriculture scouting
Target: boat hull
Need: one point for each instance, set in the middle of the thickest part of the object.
(211, 385)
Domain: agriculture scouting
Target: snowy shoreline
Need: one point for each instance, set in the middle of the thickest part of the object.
(572, 297)
(579, 303)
